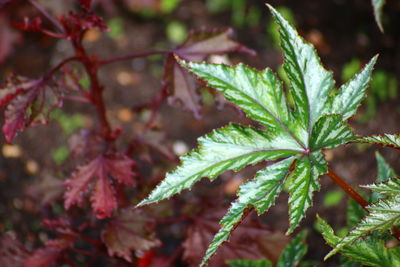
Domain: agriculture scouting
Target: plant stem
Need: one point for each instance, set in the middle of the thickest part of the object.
(357, 197)
(49, 74)
(91, 66)
(347, 188)
(47, 15)
(135, 55)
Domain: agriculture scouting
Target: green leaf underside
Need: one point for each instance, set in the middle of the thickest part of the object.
(229, 148)
(378, 6)
(294, 251)
(383, 215)
(304, 181)
(369, 251)
(259, 193)
(391, 140)
(317, 122)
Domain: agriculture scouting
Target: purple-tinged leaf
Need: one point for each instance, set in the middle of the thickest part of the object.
(12, 251)
(197, 47)
(29, 102)
(101, 169)
(250, 240)
(130, 230)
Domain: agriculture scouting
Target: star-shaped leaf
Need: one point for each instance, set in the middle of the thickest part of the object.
(29, 102)
(103, 168)
(130, 230)
(296, 136)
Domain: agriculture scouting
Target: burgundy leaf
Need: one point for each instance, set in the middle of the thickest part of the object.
(86, 143)
(85, 3)
(102, 168)
(43, 257)
(29, 102)
(12, 252)
(197, 47)
(153, 141)
(76, 24)
(47, 189)
(130, 230)
(103, 198)
(250, 240)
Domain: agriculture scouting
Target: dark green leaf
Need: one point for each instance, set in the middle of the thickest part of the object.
(259, 193)
(228, 148)
(390, 140)
(293, 252)
(371, 251)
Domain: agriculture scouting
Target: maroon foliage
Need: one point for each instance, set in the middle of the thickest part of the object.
(12, 252)
(102, 168)
(29, 102)
(250, 240)
(130, 230)
(198, 45)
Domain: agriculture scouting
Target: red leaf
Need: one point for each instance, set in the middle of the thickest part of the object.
(85, 3)
(130, 230)
(43, 257)
(197, 47)
(29, 102)
(118, 166)
(250, 240)
(12, 252)
(103, 198)
(47, 189)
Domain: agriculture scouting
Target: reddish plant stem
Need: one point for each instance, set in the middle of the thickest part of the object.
(91, 65)
(350, 191)
(47, 15)
(135, 55)
(49, 74)
(353, 194)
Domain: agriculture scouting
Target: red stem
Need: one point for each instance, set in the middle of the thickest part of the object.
(350, 191)
(91, 65)
(353, 194)
(135, 55)
(47, 15)
(49, 74)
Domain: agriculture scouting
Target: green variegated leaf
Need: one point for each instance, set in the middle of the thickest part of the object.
(249, 263)
(370, 251)
(294, 251)
(330, 132)
(378, 6)
(351, 94)
(298, 135)
(228, 148)
(258, 93)
(384, 170)
(311, 83)
(390, 140)
(390, 187)
(383, 215)
(259, 193)
(304, 181)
